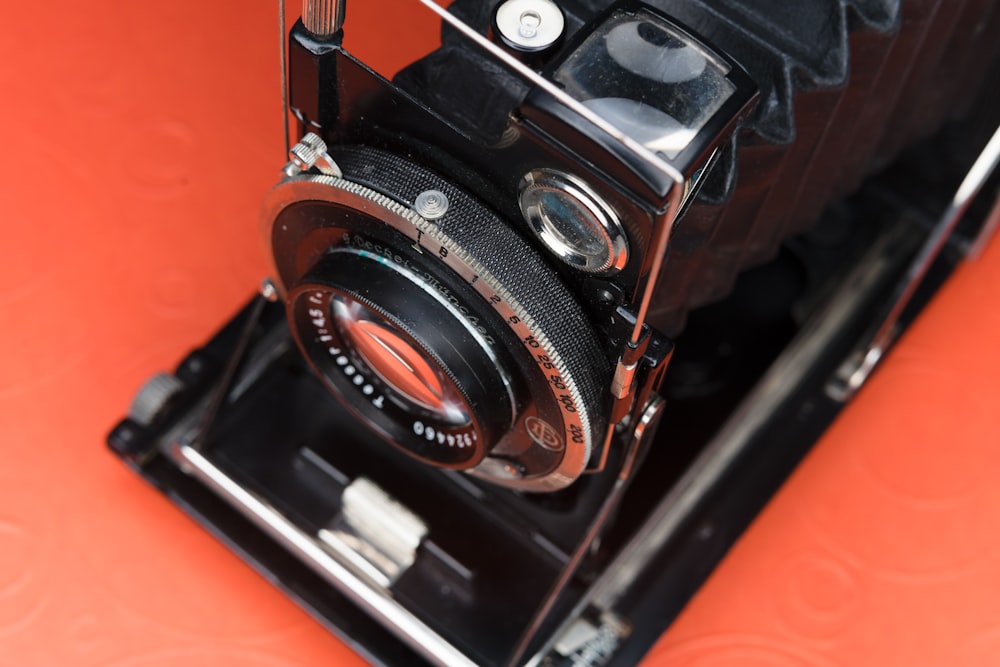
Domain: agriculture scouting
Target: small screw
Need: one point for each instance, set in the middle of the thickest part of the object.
(528, 24)
(431, 204)
(269, 290)
(302, 156)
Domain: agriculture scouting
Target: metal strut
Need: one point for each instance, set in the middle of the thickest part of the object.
(200, 441)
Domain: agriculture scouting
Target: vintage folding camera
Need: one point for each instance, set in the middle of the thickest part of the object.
(436, 428)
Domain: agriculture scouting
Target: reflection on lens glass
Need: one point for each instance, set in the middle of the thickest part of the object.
(656, 130)
(401, 364)
(651, 52)
(572, 221)
(573, 224)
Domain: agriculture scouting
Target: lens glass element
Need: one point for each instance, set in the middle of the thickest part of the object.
(573, 222)
(412, 376)
(649, 79)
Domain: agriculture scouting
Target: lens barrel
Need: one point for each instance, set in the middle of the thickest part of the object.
(473, 353)
(419, 373)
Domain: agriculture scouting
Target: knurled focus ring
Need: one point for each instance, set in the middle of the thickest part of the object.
(493, 259)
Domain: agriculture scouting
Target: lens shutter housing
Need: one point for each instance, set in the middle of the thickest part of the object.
(537, 359)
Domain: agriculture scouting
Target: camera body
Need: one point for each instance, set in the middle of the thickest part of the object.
(526, 288)
(469, 258)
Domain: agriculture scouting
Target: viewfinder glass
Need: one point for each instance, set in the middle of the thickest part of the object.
(648, 79)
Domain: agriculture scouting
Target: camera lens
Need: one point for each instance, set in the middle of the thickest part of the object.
(403, 357)
(451, 337)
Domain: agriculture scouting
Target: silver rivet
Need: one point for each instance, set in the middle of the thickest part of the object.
(269, 290)
(530, 25)
(431, 204)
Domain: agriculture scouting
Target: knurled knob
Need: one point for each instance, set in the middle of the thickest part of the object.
(323, 18)
(153, 397)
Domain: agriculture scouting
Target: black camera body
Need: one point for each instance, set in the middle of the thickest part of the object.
(475, 259)
(548, 246)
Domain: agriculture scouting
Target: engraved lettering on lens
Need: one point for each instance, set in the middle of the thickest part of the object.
(401, 366)
(543, 434)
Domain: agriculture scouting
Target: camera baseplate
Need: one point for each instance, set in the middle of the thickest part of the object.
(268, 473)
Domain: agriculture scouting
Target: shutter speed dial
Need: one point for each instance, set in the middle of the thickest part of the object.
(450, 338)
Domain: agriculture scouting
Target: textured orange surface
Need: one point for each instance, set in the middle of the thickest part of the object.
(137, 140)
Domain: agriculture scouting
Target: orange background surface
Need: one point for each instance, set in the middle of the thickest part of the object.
(137, 140)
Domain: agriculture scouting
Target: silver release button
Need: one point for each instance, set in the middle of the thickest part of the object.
(530, 25)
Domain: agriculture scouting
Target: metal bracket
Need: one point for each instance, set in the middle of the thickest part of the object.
(591, 644)
(268, 292)
(374, 532)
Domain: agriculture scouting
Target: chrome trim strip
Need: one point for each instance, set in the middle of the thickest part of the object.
(987, 232)
(283, 45)
(859, 367)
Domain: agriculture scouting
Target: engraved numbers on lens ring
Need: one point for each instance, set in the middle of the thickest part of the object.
(427, 244)
(429, 433)
(386, 253)
(319, 305)
(566, 397)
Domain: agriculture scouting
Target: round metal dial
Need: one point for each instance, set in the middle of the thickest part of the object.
(457, 324)
(530, 25)
(573, 222)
